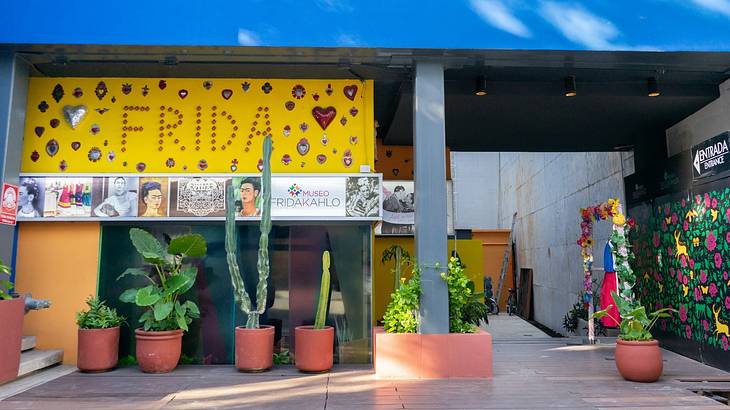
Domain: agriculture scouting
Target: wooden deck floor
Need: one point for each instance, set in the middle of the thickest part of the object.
(529, 374)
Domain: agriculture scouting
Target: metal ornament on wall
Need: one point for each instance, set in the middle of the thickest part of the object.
(74, 114)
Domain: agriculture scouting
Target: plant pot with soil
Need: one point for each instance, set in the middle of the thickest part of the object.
(254, 343)
(315, 344)
(98, 337)
(166, 315)
(12, 310)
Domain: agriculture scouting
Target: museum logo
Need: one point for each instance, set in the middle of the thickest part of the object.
(306, 197)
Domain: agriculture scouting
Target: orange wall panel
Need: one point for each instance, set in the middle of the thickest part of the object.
(57, 261)
(493, 245)
(396, 161)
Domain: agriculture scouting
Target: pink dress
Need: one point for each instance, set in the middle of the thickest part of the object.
(610, 284)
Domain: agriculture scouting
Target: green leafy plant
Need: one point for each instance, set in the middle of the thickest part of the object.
(474, 310)
(635, 324)
(401, 315)
(5, 285)
(401, 257)
(459, 295)
(324, 292)
(169, 278)
(98, 315)
(262, 265)
(282, 358)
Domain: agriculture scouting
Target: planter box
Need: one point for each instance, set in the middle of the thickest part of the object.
(432, 356)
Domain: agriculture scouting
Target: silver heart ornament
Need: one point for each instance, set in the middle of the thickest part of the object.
(74, 114)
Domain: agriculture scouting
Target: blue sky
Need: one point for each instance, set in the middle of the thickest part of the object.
(665, 25)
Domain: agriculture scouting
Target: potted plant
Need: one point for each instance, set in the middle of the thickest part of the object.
(254, 343)
(638, 357)
(98, 337)
(166, 315)
(12, 310)
(316, 343)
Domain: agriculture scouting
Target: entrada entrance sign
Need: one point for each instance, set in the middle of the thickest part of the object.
(711, 157)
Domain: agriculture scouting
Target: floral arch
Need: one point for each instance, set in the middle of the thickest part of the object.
(621, 251)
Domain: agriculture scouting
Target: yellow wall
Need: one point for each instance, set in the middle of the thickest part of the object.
(57, 261)
(162, 125)
(470, 252)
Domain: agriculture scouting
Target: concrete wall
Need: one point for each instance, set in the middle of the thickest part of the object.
(476, 189)
(712, 119)
(546, 190)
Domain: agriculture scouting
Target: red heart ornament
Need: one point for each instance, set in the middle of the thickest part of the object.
(55, 122)
(227, 93)
(39, 131)
(350, 91)
(324, 116)
(182, 93)
(162, 84)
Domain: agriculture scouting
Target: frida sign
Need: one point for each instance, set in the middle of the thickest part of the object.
(711, 157)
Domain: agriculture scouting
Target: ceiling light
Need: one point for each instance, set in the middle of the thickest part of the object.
(570, 90)
(652, 87)
(480, 87)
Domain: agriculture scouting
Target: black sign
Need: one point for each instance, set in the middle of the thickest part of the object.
(711, 157)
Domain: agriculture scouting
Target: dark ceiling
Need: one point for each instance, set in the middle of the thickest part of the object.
(523, 111)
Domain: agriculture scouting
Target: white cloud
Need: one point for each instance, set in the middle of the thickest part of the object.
(348, 40)
(720, 6)
(497, 14)
(334, 5)
(582, 27)
(248, 38)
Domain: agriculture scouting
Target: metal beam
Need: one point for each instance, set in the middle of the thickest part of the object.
(429, 137)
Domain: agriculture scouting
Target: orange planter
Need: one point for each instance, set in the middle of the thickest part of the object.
(432, 356)
(254, 348)
(98, 349)
(158, 352)
(639, 361)
(314, 348)
(11, 336)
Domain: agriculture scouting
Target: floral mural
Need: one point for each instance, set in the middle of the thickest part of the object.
(683, 259)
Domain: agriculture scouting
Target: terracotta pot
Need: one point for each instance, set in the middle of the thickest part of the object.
(314, 348)
(254, 348)
(98, 349)
(639, 361)
(158, 352)
(11, 336)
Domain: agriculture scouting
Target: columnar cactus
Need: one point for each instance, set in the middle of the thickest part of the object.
(324, 292)
(262, 265)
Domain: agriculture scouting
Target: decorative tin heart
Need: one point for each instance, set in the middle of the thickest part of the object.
(227, 93)
(140, 166)
(203, 165)
(260, 165)
(52, 147)
(289, 105)
(100, 90)
(170, 162)
(350, 91)
(55, 122)
(207, 84)
(347, 161)
(315, 96)
(182, 93)
(328, 90)
(57, 93)
(343, 120)
(78, 92)
(162, 84)
(321, 158)
(353, 111)
(303, 146)
(63, 165)
(126, 88)
(145, 91)
(287, 130)
(286, 159)
(95, 129)
(39, 131)
(324, 116)
(396, 171)
(101, 111)
(74, 115)
(324, 140)
(94, 154)
(35, 156)
(353, 140)
(245, 86)
(304, 127)
(110, 156)
(75, 145)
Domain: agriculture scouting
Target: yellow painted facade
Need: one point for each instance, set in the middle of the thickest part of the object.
(194, 125)
(470, 252)
(59, 262)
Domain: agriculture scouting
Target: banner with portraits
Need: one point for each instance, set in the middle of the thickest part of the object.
(170, 197)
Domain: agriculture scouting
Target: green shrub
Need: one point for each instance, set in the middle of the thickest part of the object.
(401, 315)
(459, 296)
(98, 315)
(5, 285)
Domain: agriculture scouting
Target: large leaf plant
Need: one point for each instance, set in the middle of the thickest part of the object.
(169, 278)
(5, 285)
(635, 323)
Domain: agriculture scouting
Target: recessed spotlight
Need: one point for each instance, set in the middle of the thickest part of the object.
(570, 89)
(480, 88)
(652, 87)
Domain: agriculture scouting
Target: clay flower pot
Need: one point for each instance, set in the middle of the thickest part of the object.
(639, 361)
(158, 352)
(314, 348)
(98, 349)
(11, 335)
(254, 348)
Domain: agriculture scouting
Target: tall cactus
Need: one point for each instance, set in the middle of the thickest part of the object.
(324, 292)
(239, 290)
